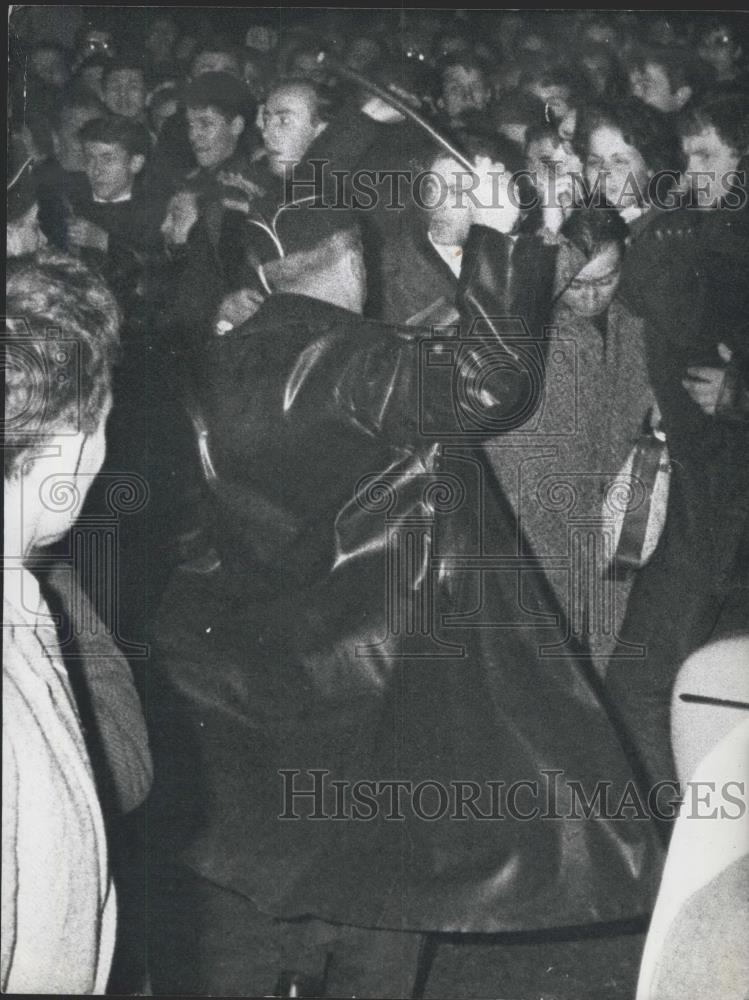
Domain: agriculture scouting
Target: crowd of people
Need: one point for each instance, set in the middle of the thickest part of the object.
(420, 343)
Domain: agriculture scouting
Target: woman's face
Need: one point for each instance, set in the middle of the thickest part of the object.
(593, 288)
(622, 171)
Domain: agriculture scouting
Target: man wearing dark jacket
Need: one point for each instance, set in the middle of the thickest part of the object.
(371, 632)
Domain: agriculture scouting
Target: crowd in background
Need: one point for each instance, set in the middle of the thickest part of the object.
(162, 147)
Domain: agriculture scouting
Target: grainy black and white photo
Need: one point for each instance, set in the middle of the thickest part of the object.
(376, 550)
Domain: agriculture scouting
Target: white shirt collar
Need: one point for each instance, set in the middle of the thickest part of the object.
(452, 255)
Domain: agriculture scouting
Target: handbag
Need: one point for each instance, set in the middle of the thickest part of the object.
(638, 496)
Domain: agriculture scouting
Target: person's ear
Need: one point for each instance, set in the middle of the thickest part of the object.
(137, 163)
(237, 126)
(682, 95)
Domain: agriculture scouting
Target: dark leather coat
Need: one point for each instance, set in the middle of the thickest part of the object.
(372, 619)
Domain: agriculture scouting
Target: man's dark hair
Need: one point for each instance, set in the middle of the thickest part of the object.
(114, 130)
(218, 43)
(220, 91)
(124, 63)
(728, 114)
(551, 76)
(649, 131)
(483, 142)
(61, 343)
(590, 229)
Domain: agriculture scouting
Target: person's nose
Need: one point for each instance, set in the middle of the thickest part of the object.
(271, 133)
(591, 298)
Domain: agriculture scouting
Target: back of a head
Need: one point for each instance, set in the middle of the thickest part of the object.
(62, 342)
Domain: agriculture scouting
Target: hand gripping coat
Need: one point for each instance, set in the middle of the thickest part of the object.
(372, 622)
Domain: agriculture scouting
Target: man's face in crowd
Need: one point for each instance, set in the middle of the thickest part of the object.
(711, 157)
(289, 126)
(592, 290)
(125, 93)
(624, 171)
(50, 66)
(181, 216)
(213, 137)
(110, 169)
(464, 90)
(450, 219)
(651, 85)
(215, 62)
(69, 146)
(25, 236)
